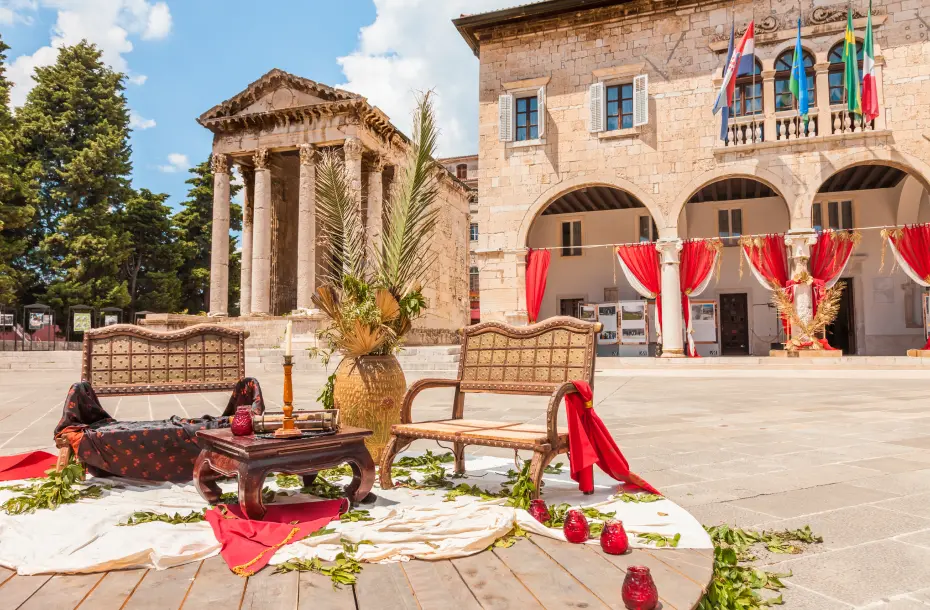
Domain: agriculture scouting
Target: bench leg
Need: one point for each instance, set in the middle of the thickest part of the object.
(387, 459)
(541, 459)
(64, 454)
(458, 450)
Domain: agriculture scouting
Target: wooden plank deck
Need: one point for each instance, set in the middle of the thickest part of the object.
(534, 573)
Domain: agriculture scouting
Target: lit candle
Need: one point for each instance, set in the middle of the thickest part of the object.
(287, 338)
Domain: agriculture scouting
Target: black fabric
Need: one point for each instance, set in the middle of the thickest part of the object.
(162, 450)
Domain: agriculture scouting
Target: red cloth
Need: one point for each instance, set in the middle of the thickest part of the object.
(912, 251)
(26, 465)
(590, 443)
(697, 264)
(642, 262)
(248, 545)
(537, 271)
(770, 260)
(828, 260)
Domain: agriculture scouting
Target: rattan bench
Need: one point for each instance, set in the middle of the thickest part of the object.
(537, 360)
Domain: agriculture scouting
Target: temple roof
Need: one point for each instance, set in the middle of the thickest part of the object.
(270, 82)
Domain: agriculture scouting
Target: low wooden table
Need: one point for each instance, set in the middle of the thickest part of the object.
(250, 459)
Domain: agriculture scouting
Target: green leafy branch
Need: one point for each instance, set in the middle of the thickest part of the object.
(639, 498)
(322, 488)
(140, 517)
(354, 516)
(341, 572)
(65, 487)
(659, 540)
(427, 461)
(510, 538)
(464, 489)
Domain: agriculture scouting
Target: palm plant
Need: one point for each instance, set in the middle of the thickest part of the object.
(371, 296)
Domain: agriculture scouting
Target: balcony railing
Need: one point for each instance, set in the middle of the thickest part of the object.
(841, 121)
(743, 131)
(792, 127)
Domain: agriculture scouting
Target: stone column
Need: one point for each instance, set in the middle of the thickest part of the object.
(352, 147)
(261, 236)
(799, 242)
(245, 276)
(306, 227)
(375, 224)
(769, 125)
(672, 317)
(219, 255)
(822, 79)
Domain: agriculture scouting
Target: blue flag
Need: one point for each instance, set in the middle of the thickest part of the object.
(798, 82)
(725, 114)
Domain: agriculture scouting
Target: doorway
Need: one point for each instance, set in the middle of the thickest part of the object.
(734, 325)
(841, 334)
(570, 307)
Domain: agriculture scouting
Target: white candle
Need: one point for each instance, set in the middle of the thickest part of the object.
(287, 338)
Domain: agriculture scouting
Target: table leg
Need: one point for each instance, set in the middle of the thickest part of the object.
(205, 479)
(309, 479)
(250, 493)
(363, 474)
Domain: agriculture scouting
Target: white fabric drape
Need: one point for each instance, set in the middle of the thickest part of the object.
(755, 272)
(697, 292)
(904, 266)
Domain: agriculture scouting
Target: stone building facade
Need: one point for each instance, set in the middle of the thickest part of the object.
(272, 131)
(657, 169)
(465, 169)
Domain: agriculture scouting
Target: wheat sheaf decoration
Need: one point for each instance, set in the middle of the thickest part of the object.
(827, 310)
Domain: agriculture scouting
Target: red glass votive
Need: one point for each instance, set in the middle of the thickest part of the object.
(639, 591)
(539, 511)
(241, 424)
(576, 527)
(614, 540)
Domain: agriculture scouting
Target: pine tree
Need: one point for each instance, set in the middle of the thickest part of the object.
(75, 129)
(17, 195)
(195, 226)
(151, 269)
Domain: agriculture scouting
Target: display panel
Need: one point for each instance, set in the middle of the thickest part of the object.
(607, 315)
(704, 321)
(633, 323)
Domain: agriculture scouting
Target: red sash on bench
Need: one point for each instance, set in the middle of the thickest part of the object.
(590, 443)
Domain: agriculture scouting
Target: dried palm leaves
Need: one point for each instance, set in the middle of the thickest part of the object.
(808, 331)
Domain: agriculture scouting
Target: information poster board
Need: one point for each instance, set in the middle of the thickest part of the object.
(81, 321)
(6, 320)
(704, 321)
(588, 313)
(110, 319)
(634, 329)
(36, 321)
(607, 315)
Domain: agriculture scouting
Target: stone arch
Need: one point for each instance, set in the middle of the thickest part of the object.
(877, 156)
(732, 171)
(788, 45)
(566, 186)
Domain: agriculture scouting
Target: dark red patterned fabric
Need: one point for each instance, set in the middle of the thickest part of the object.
(162, 450)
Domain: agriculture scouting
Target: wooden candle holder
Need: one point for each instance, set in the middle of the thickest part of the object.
(288, 429)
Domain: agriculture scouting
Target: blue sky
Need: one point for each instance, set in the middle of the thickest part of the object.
(183, 56)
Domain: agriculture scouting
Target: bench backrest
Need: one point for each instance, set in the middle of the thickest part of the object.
(125, 359)
(534, 359)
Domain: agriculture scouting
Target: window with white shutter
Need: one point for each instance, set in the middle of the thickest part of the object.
(640, 100)
(505, 118)
(541, 106)
(596, 107)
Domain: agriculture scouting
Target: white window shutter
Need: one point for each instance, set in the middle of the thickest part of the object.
(541, 110)
(596, 107)
(640, 100)
(505, 117)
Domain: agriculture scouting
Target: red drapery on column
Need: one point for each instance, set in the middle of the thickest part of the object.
(911, 248)
(829, 257)
(537, 270)
(698, 260)
(769, 263)
(640, 265)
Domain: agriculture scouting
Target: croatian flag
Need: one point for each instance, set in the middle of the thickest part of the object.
(743, 56)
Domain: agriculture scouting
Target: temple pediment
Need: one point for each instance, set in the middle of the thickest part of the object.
(276, 91)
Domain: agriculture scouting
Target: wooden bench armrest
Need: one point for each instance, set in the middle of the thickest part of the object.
(424, 384)
(552, 414)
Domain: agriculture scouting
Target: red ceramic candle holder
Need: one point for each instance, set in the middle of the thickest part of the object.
(539, 511)
(241, 424)
(639, 591)
(576, 527)
(614, 540)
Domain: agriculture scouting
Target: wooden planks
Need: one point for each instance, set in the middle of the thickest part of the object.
(215, 587)
(112, 591)
(690, 563)
(675, 590)
(549, 582)
(66, 591)
(493, 583)
(316, 592)
(18, 589)
(600, 576)
(5, 575)
(384, 587)
(269, 591)
(437, 585)
(163, 589)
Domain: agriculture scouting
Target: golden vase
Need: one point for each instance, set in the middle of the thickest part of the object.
(369, 392)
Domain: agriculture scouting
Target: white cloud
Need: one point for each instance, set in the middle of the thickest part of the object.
(107, 23)
(138, 79)
(413, 46)
(7, 16)
(137, 121)
(177, 162)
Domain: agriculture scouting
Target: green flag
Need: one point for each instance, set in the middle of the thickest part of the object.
(851, 72)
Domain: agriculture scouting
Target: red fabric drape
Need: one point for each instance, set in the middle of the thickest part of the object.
(911, 247)
(247, 546)
(828, 259)
(769, 260)
(590, 443)
(697, 264)
(642, 261)
(537, 270)
(26, 465)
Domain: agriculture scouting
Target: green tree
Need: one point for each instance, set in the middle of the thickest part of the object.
(17, 194)
(75, 129)
(151, 269)
(195, 226)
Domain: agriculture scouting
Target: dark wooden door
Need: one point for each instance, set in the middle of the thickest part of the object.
(570, 307)
(842, 333)
(734, 325)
